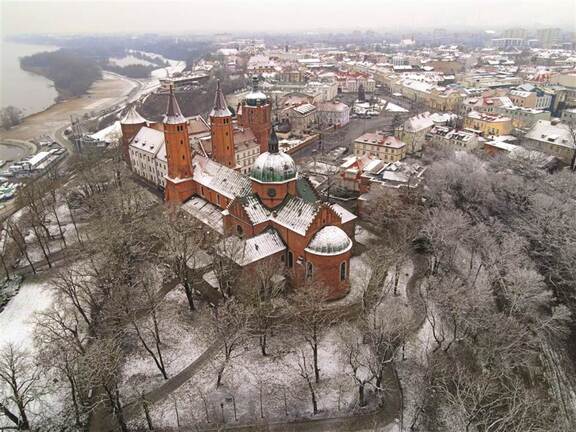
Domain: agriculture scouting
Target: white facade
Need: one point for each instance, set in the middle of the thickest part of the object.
(148, 155)
(333, 114)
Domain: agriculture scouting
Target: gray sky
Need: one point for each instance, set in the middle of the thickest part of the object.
(201, 16)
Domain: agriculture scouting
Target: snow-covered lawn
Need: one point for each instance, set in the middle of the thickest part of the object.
(16, 320)
(183, 340)
(276, 377)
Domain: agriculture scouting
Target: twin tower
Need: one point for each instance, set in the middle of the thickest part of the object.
(254, 112)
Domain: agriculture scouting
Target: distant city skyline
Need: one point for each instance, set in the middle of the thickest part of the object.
(216, 16)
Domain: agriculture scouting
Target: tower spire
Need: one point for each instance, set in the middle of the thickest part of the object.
(220, 106)
(173, 113)
(273, 141)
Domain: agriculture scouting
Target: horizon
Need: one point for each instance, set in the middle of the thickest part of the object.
(195, 17)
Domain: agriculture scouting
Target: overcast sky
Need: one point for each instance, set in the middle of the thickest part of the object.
(207, 16)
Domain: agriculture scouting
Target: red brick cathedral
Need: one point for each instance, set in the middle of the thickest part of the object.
(274, 213)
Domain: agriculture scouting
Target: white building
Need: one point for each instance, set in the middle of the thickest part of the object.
(144, 151)
(332, 114)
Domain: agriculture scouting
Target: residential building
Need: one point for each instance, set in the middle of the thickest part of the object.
(380, 146)
(453, 139)
(488, 124)
(335, 114)
(552, 138)
(301, 117)
(413, 132)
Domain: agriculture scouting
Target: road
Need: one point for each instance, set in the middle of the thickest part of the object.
(345, 136)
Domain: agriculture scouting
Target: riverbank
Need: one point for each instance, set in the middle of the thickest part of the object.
(11, 150)
(109, 91)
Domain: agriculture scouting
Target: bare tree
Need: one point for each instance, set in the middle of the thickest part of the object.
(229, 321)
(183, 240)
(260, 288)
(308, 373)
(358, 358)
(21, 378)
(311, 318)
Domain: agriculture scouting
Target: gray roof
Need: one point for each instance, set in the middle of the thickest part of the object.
(273, 168)
(247, 251)
(132, 117)
(220, 106)
(329, 240)
(173, 113)
(225, 181)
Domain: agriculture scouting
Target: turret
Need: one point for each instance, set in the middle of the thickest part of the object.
(255, 113)
(223, 150)
(130, 125)
(179, 183)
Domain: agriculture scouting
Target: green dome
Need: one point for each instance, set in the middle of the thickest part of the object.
(273, 168)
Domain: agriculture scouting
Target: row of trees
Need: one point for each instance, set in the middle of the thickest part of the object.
(498, 295)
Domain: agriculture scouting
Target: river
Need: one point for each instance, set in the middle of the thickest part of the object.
(29, 92)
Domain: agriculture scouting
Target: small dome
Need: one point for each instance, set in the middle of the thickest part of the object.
(330, 240)
(255, 97)
(273, 168)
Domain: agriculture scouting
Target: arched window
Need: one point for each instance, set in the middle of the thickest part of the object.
(290, 259)
(309, 270)
(343, 271)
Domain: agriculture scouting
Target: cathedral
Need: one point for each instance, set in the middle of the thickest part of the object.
(272, 213)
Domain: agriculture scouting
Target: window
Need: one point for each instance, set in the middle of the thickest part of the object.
(309, 270)
(290, 259)
(343, 271)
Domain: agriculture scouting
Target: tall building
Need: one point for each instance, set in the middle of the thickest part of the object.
(179, 182)
(549, 37)
(222, 132)
(255, 112)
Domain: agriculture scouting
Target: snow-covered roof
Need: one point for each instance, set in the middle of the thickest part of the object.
(219, 178)
(132, 117)
(330, 240)
(419, 122)
(304, 109)
(545, 131)
(273, 168)
(344, 214)
(248, 251)
(148, 140)
(205, 212)
(296, 214)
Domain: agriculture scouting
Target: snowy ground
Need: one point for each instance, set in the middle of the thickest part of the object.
(275, 376)
(183, 337)
(395, 108)
(16, 320)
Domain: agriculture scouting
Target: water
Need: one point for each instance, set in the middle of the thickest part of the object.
(11, 153)
(27, 91)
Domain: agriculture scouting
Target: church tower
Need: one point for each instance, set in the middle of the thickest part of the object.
(223, 150)
(273, 175)
(255, 112)
(130, 126)
(179, 183)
